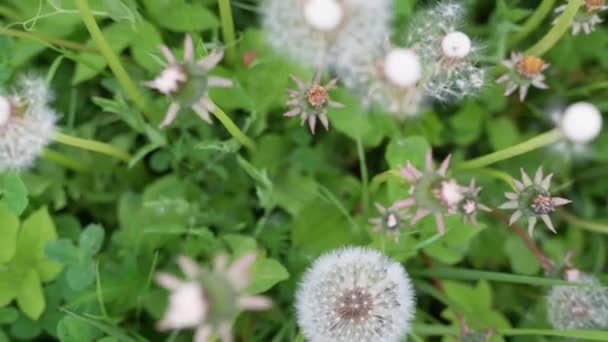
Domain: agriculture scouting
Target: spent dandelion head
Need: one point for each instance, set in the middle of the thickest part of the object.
(27, 123)
(532, 200)
(523, 71)
(581, 122)
(310, 101)
(209, 300)
(470, 205)
(187, 82)
(390, 221)
(355, 294)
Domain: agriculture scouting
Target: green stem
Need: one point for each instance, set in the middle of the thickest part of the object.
(510, 152)
(364, 175)
(532, 23)
(585, 90)
(63, 160)
(444, 330)
(559, 29)
(48, 40)
(595, 227)
(382, 178)
(92, 145)
(228, 30)
(111, 58)
(233, 129)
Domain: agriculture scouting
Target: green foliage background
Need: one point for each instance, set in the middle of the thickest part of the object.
(78, 249)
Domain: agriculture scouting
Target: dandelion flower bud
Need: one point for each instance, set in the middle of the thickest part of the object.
(27, 124)
(323, 15)
(581, 122)
(577, 307)
(456, 45)
(355, 294)
(402, 67)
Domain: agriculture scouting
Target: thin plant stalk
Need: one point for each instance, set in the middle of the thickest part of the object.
(539, 141)
(63, 160)
(233, 129)
(364, 175)
(92, 145)
(557, 31)
(228, 29)
(595, 227)
(534, 21)
(111, 58)
(44, 39)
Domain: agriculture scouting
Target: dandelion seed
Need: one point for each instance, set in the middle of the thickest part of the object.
(578, 307)
(209, 300)
(587, 16)
(532, 200)
(524, 71)
(187, 83)
(310, 101)
(355, 294)
(27, 123)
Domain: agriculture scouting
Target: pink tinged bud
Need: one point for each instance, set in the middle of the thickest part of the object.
(440, 223)
(170, 116)
(255, 303)
(212, 59)
(188, 48)
(188, 266)
(220, 82)
(238, 273)
(203, 334)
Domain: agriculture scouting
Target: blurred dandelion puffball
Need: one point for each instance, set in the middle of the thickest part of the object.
(355, 294)
(5, 110)
(581, 122)
(323, 15)
(456, 45)
(402, 67)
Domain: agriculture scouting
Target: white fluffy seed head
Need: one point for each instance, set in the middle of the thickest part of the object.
(323, 15)
(5, 110)
(577, 307)
(402, 67)
(355, 294)
(456, 45)
(23, 139)
(581, 122)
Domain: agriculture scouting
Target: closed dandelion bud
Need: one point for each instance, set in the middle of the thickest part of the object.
(209, 300)
(327, 33)
(532, 200)
(432, 192)
(27, 123)
(355, 294)
(390, 221)
(581, 122)
(187, 82)
(578, 307)
(587, 16)
(470, 205)
(524, 71)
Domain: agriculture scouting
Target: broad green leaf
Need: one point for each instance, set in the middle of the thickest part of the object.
(119, 36)
(180, 16)
(8, 315)
(522, 260)
(71, 329)
(91, 239)
(502, 133)
(36, 231)
(14, 193)
(81, 275)
(265, 273)
(121, 10)
(30, 298)
(9, 226)
(145, 48)
(401, 150)
(453, 246)
(467, 123)
(240, 244)
(62, 251)
(10, 283)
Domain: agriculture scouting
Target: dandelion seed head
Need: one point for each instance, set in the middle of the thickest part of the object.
(402, 67)
(355, 294)
(323, 15)
(581, 122)
(577, 307)
(456, 45)
(27, 123)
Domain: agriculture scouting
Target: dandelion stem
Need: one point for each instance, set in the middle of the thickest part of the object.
(364, 175)
(510, 152)
(44, 39)
(535, 19)
(228, 29)
(559, 29)
(111, 58)
(92, 145)
(63, 160)
(233, 129)
(595, 227)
